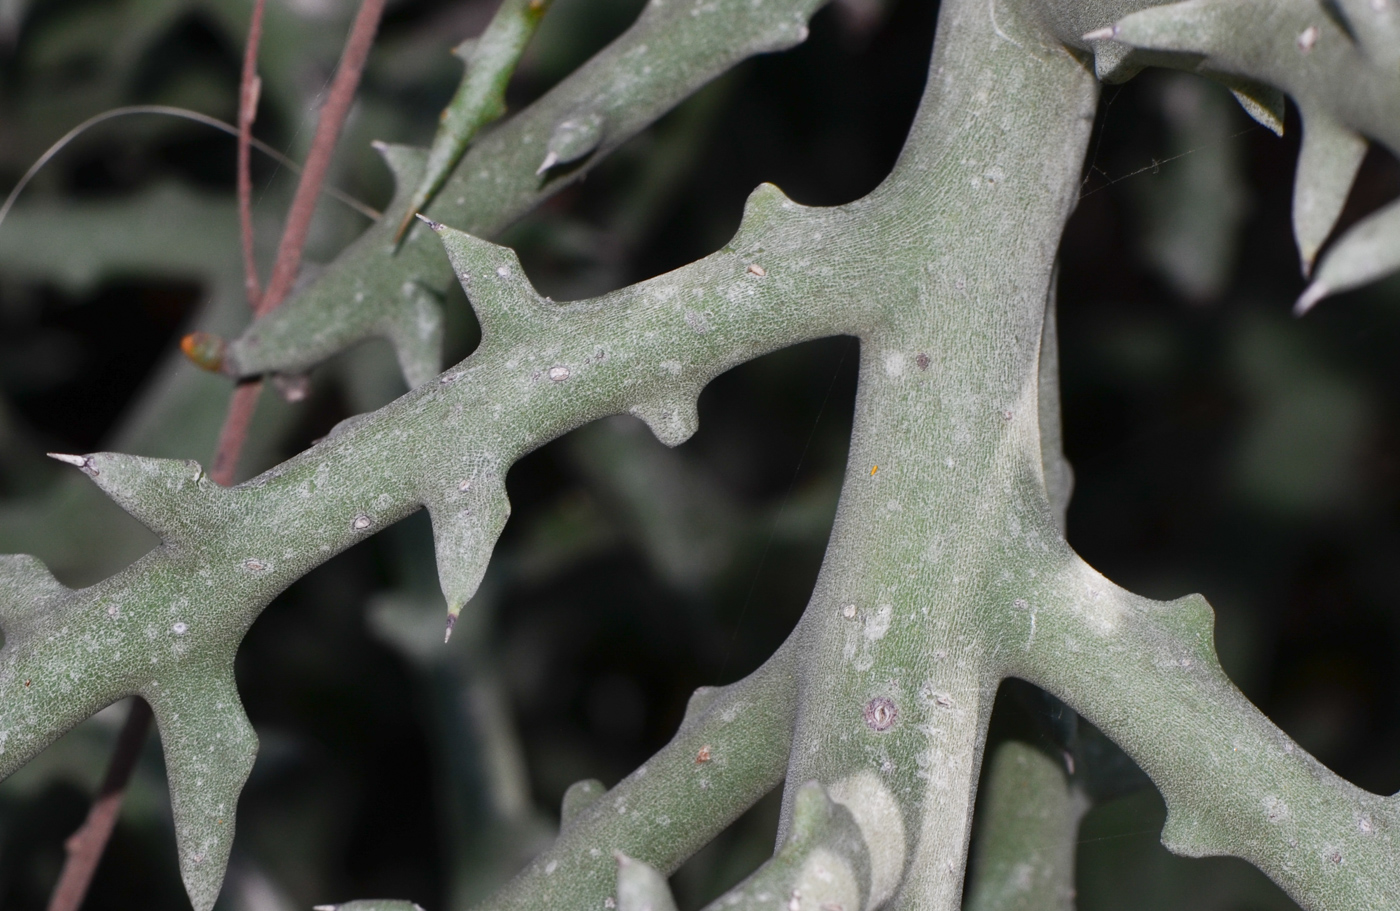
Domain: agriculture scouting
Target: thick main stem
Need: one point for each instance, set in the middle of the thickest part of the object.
(944, 476)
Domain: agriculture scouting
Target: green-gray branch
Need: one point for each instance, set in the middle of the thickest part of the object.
(375, 289)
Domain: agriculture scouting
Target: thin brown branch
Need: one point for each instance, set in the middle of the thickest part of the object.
(249, 88)
(241, 406)
(85, 846)
(333, 114)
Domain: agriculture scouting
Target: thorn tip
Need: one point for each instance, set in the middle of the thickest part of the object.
(1309, 298)
(1106, 33)
(550, 160)
(76, 461)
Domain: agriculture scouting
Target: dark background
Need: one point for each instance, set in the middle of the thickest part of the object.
(1219, 445)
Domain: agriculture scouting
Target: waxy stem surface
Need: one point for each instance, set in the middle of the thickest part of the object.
(945, 574)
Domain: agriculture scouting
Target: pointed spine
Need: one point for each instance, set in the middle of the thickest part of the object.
(1327, 166)
(467, 520)
(574, 138)
(172, 497)
(1369, 250)
(500, 293)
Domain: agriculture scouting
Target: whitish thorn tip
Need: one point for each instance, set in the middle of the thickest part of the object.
(451, 622)
(435, 225)
(1314, 293)
(1106, 33)
(550, 160)
(76, 461)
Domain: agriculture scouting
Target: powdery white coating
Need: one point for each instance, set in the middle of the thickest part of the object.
(878, 623)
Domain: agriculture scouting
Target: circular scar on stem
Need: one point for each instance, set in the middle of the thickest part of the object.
(880, 713)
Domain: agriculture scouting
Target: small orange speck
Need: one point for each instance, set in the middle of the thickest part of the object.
(703, 755)
(27, 682)
(873, 469)
(205, 349)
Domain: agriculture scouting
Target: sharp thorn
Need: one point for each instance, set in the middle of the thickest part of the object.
(550, 160)
(451, 622)
(1101, 34)
(1309, 298)
(76, 461)
(436, 226)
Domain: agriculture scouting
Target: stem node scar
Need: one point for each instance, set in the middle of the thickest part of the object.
(880, 713)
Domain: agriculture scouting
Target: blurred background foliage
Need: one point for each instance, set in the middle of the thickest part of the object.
(1220, 445)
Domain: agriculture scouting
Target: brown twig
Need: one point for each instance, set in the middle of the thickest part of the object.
(249, 88)
(318, 160)
(235, 430)
(87, 844)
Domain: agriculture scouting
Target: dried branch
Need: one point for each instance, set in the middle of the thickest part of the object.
(318, 161)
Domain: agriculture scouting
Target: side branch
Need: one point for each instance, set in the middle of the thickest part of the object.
(1146, 673)
(167, 627)
(667, 55)
(731, 749)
